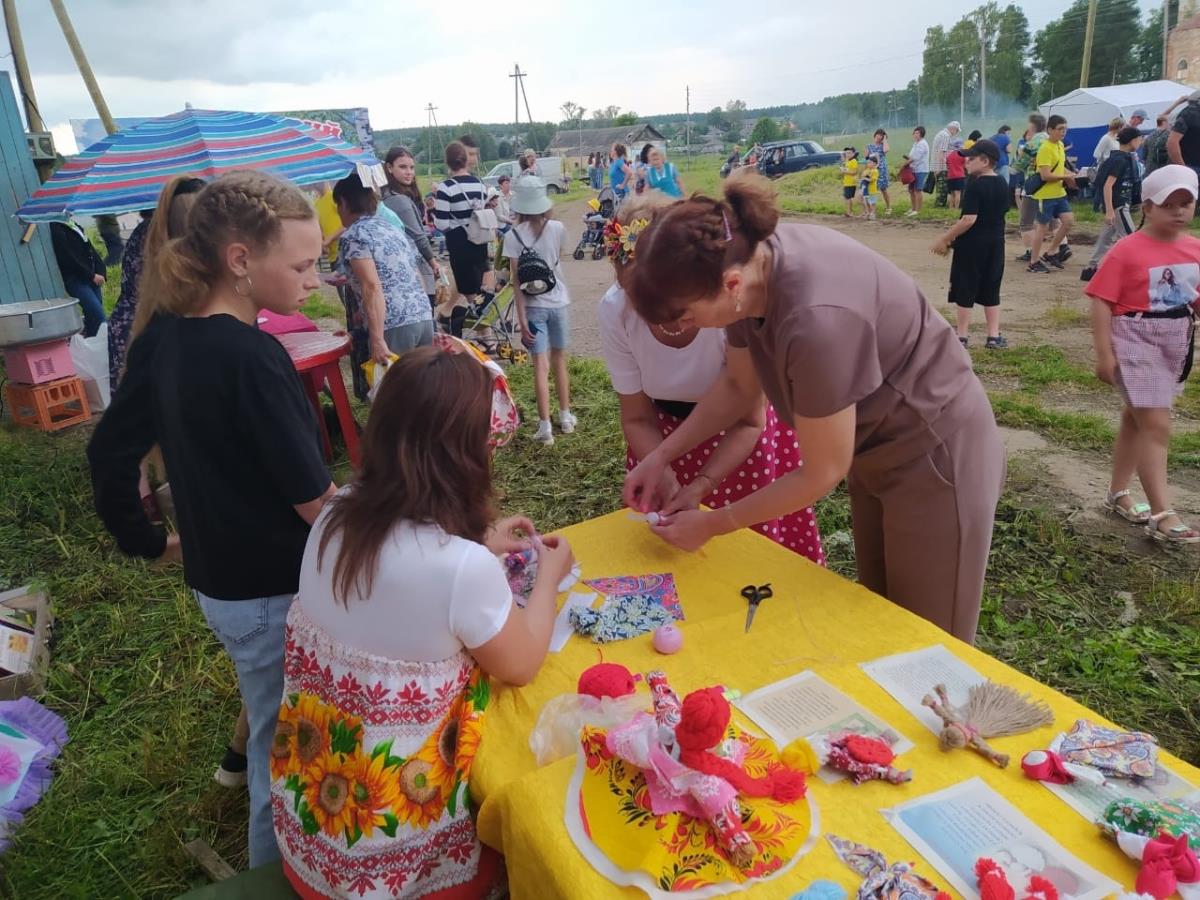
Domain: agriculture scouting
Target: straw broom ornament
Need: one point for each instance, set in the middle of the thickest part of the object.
(992, 710)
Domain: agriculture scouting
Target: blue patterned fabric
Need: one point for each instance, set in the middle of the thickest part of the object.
(398, 264)
(621, 617)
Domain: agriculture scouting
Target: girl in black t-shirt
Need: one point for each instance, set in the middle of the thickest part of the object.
(237, 432)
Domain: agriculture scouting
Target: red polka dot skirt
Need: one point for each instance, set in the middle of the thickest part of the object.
(776, 454)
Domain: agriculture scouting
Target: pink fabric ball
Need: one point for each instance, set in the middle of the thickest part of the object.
(668, 639)
(10, 766)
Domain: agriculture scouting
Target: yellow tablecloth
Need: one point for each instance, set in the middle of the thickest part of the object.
(816, 620)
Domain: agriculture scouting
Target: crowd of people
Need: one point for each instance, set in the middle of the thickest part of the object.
(758, 364)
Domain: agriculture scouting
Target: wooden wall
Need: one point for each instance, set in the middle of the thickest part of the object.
(27, 270)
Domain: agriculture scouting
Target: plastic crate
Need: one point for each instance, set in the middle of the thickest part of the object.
(50, 406)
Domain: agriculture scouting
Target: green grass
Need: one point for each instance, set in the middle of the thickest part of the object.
(1035, 367)
(150, 698)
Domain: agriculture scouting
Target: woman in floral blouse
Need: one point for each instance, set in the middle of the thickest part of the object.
(403, 612)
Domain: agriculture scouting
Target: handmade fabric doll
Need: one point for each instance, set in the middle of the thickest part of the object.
(991, 710)
(862, 757)
(880, 880)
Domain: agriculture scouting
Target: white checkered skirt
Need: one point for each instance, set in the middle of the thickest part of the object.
(1150, 355)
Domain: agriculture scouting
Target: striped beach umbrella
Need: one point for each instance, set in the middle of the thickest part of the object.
(125, 171)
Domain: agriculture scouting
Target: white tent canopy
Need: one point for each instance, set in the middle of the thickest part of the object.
(1089, 107)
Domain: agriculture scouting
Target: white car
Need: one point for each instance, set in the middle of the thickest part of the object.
(549, 169)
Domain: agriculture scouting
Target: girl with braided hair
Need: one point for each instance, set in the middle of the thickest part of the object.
(237, 433)
(850, 354)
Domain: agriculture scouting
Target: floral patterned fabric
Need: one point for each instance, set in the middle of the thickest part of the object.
(1177, 818)
(1120, 754)
(120, 323)
(370, 768)
(610, 819)
(621, 617)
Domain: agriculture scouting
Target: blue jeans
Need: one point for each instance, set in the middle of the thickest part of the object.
(251, 631)
(553, 328)
(90, 302)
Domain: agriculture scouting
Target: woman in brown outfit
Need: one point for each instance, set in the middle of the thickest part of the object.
(873, 380)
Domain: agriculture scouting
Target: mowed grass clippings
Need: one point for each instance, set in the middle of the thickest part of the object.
(150, 697)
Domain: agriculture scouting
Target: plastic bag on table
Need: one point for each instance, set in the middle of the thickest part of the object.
(556, 734)
(90, 358)
(375, 373)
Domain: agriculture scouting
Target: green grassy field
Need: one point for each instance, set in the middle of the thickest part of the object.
(150, 697)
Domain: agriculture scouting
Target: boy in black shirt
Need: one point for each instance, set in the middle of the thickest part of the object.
(978, 242)
(1119, 184)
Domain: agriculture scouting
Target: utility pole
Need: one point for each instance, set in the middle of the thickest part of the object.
(688, 131)
(24, 82)
(1166, 30)
(918, 99)
(85, 69)
(429, 108)
(1087, 44)
(962, 92)
(519, 95)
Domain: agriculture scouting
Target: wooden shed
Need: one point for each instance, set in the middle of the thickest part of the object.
(28, 270)
(576, 144)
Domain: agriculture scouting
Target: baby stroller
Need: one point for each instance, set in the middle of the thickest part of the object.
(603, 207)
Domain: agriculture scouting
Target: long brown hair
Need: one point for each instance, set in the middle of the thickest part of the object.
(412, 191)
(684, 252)
(242, 205)
(169, 220)
(425, 460)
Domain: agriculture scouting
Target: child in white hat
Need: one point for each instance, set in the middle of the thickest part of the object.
(534, 247)
(1143, 308)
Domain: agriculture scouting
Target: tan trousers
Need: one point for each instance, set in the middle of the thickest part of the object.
(923, 529)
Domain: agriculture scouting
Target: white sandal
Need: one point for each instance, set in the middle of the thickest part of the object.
(1137, 513)
(1177, 534)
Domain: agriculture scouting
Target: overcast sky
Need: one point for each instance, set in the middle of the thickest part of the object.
(152, 56)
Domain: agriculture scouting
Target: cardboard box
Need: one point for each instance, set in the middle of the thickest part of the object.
(33, 682)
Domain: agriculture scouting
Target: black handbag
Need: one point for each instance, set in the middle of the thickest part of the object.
(534, 274)
(930, 182)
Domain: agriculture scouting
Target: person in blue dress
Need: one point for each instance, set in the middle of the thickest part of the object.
(620, 174)
(879, 148)
(662, 175)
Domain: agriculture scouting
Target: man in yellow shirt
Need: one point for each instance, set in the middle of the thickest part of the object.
(1051, 197)
(849, 170)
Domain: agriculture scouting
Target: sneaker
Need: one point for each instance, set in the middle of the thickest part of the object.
(1024, 257)
(1086, 274)
(567, 421)
(999, 342)
(1051, 259)
(1064, 253)
(964, 341)
(545, 434)
(231, 773)
(1037, 268)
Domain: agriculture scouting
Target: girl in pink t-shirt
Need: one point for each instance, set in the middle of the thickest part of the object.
(1143, 306)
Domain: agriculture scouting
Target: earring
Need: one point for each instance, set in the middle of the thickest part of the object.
(249, 287)
(737, 302)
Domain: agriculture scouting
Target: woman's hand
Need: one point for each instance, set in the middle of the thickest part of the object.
(555, 559)
(940, 247)
(1110, 216)
(1106, 369)
(513, 534)
(98, 280)
(688, 497)
(436, 267)
(643, 483)
(688, 529)
(380, 352)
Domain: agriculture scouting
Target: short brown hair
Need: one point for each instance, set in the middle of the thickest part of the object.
(684, 252)
(456, 155)
(359, 199)
(425, 460)
(468, 141)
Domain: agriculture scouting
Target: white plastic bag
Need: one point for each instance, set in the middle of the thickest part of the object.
(556, 734)
(375, 373)
(90, 358)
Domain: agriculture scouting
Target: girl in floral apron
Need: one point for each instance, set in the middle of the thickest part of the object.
(403, 613)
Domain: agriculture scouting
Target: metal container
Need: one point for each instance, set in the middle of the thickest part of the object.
(38, 321)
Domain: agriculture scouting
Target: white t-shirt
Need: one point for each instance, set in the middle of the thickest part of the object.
(550, 246)
(1104, 147)
(637, 361)
(432, 595)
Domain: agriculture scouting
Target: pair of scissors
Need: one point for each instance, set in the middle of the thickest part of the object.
(755, 596)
